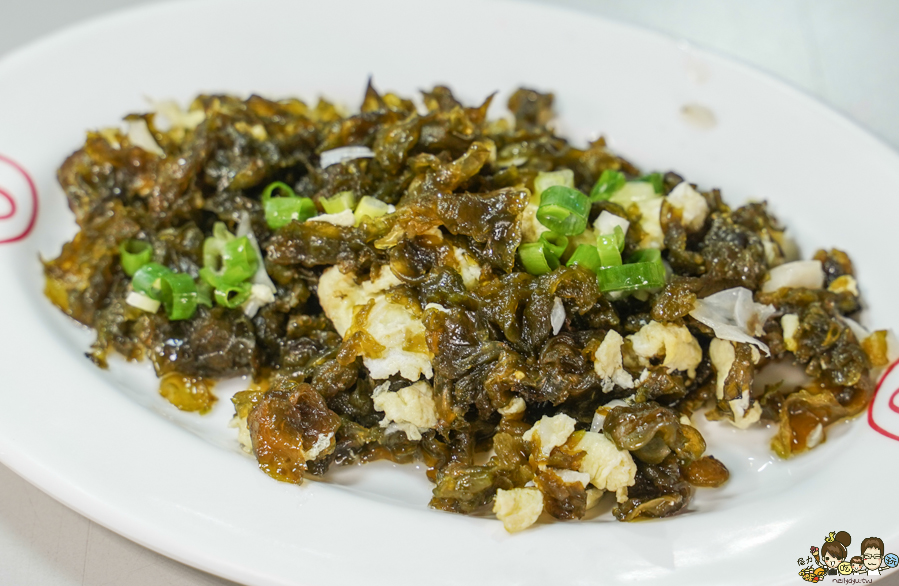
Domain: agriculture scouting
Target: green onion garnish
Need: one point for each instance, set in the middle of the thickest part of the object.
(146, 279)
(586, 256)
(563, 210)
(239, 261)
(646, 255)
(657, 181)
(370, 207)
(232, 296)
(555, 243)
(345, 200)
(134, 254)
(280, 211)
(647, 272)
(619, 237)
(537, 258)
(179, 295)
(609, 182)
(607, 250)
(546, 179)
(204, 293)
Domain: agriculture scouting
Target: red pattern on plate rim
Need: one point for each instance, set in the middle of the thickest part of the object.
(12, 202)
(891, 404)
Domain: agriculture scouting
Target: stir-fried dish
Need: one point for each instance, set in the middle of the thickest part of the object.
(537, 323)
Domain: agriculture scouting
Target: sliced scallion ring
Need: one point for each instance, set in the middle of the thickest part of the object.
(609, 182)
(232, 296)
(134, 254)
(555, 243)
(537, 259)
(146, 279)
(607, 250)
(239, 261)
(563, 210)
(280, 211)
(586, 256)
(179, 295)
(345, 200)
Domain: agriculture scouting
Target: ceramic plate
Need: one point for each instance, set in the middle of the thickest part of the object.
(105, 444)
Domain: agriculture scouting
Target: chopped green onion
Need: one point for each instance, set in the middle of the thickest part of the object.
(212, 278)
(214, 245)
(537, 258)
(619, 237)
(239, 261)
(609, 182)
(134, 254)
(607, 250)
(345, 200)
(586, 256)
(179, 295)
(204, 293)
(555, 243)
(647, 272)
(563, 210)
(370, 207)
(146, 279)
(546, 179)
(232, 295)
(280, 211)
(657, 181)
(269, 191)
(646, 255)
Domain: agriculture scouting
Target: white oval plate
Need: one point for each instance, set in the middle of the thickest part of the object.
(106, 445)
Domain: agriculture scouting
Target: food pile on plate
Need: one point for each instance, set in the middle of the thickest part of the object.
(538, 323)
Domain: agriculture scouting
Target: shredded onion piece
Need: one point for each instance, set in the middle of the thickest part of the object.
(139, 136)
(606, 222)
(245, 228)
(799, 273)
(141, 301)
(557, 315)
(344, 154)
(344, 218)
(860, 331)
(734, 316)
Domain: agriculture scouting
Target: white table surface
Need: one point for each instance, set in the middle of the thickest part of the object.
(844, 52)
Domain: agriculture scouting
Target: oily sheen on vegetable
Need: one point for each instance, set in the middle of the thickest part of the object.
(538, 323)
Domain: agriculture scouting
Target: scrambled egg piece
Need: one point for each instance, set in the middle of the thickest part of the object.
(243, 433)
(468, 268)
(609, 468)
(844, 284)
(572, 477)
(518, 508)
(681, 350)
(514, 407)
(550, 432)
(608, 363)
(410, 409)
(790, 325)
(693, 207)
(722, 354)
(392, 325)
